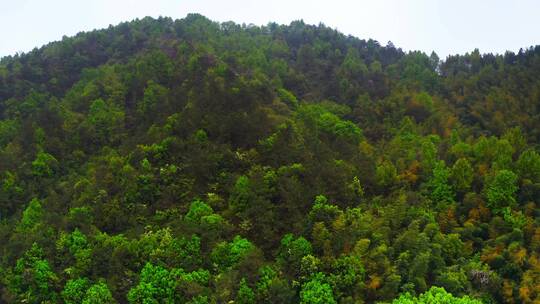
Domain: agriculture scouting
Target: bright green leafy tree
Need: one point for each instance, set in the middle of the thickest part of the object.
(500, 190)
(317, 291)
(435, 295)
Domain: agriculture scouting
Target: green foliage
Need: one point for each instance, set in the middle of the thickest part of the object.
(287, 97)
(32, 279)
(386, 174)
(321, 211)
(514, 218)
(75, 290)
(98, 294)
(453, 279)
(156, 285)
(245, 293)
(154, 98)
(356, 187)
(271, 288)
(8, 131)
(31, 215)
(44, 165)
(104, 122)
(9, 185)
(500, 190)
(182, 161)
(317, 291)
(227, 254)
(348, 273)
(345, 129)
(161, 247)
(199, 300)
(435, 295)
(292, 250)
(201, 136)
(197, 210)
(461, 175)
(77, 245)
(440, 190)
(353, 64)
(330, 123)
(239, 199)
(528, 165)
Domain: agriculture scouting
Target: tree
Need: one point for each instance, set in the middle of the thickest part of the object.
(528, 165)
(227, 254)
(11, 193)
(31, 215)
(273, 288)
(197, 210)
(287, 97)
(75, 290)
(245, 293)
(454, 279)
(317, 291)
(155, 97)
(435, 295)
(77, 247)
(386, 174)
(98, 294)
(8, 130)
(352, 64)
(239, 199)
(44, 165)
(347, 273)
(33, 280)
(500, 189)
(292, 250)
(461, 175)
(104, 122)
(440, 190)
(156, 285)
(321, 211)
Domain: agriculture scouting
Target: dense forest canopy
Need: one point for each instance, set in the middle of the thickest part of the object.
(189, 161)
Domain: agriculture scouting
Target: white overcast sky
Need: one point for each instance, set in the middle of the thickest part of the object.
(444, 26)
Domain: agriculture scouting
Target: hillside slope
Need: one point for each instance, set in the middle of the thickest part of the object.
(188, 161)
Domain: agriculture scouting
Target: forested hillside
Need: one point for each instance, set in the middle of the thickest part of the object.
(189, 161)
